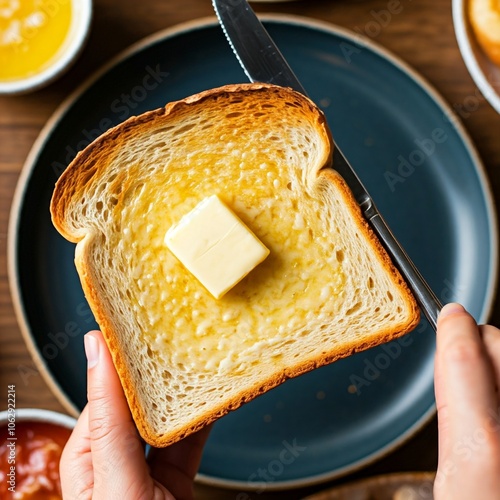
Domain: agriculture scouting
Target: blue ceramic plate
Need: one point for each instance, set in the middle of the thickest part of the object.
(412, 155)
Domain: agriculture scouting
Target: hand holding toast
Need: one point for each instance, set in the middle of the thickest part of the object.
(467, 378)
(104, 457)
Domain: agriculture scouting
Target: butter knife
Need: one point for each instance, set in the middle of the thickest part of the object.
(262, 61)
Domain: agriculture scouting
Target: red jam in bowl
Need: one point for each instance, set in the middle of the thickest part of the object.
(29, 460)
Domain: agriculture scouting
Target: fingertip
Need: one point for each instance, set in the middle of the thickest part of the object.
(96, 334)
(91, 343)
(102, 379)
(455, 323)
(451, 308)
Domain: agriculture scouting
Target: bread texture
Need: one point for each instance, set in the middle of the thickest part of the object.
(327, 289)
(484, 17)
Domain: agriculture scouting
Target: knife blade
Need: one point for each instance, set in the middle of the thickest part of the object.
(262, 61)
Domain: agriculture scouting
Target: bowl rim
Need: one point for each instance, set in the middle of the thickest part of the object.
(74, 45)
(39, 415)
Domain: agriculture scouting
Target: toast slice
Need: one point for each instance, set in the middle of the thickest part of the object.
(327, 289)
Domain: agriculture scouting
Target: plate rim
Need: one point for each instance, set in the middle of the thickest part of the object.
(211, 21)
(465, 44)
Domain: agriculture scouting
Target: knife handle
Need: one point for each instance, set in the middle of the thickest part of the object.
(427, 300)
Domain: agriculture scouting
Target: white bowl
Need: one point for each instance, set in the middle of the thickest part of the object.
(484, 72)
(81, 15)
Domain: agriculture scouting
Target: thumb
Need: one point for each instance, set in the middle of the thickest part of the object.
(465, 388)
(117, 453)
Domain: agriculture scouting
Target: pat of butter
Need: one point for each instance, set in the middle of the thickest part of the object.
(215, 246)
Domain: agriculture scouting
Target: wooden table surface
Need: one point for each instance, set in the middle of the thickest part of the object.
(421, 33)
